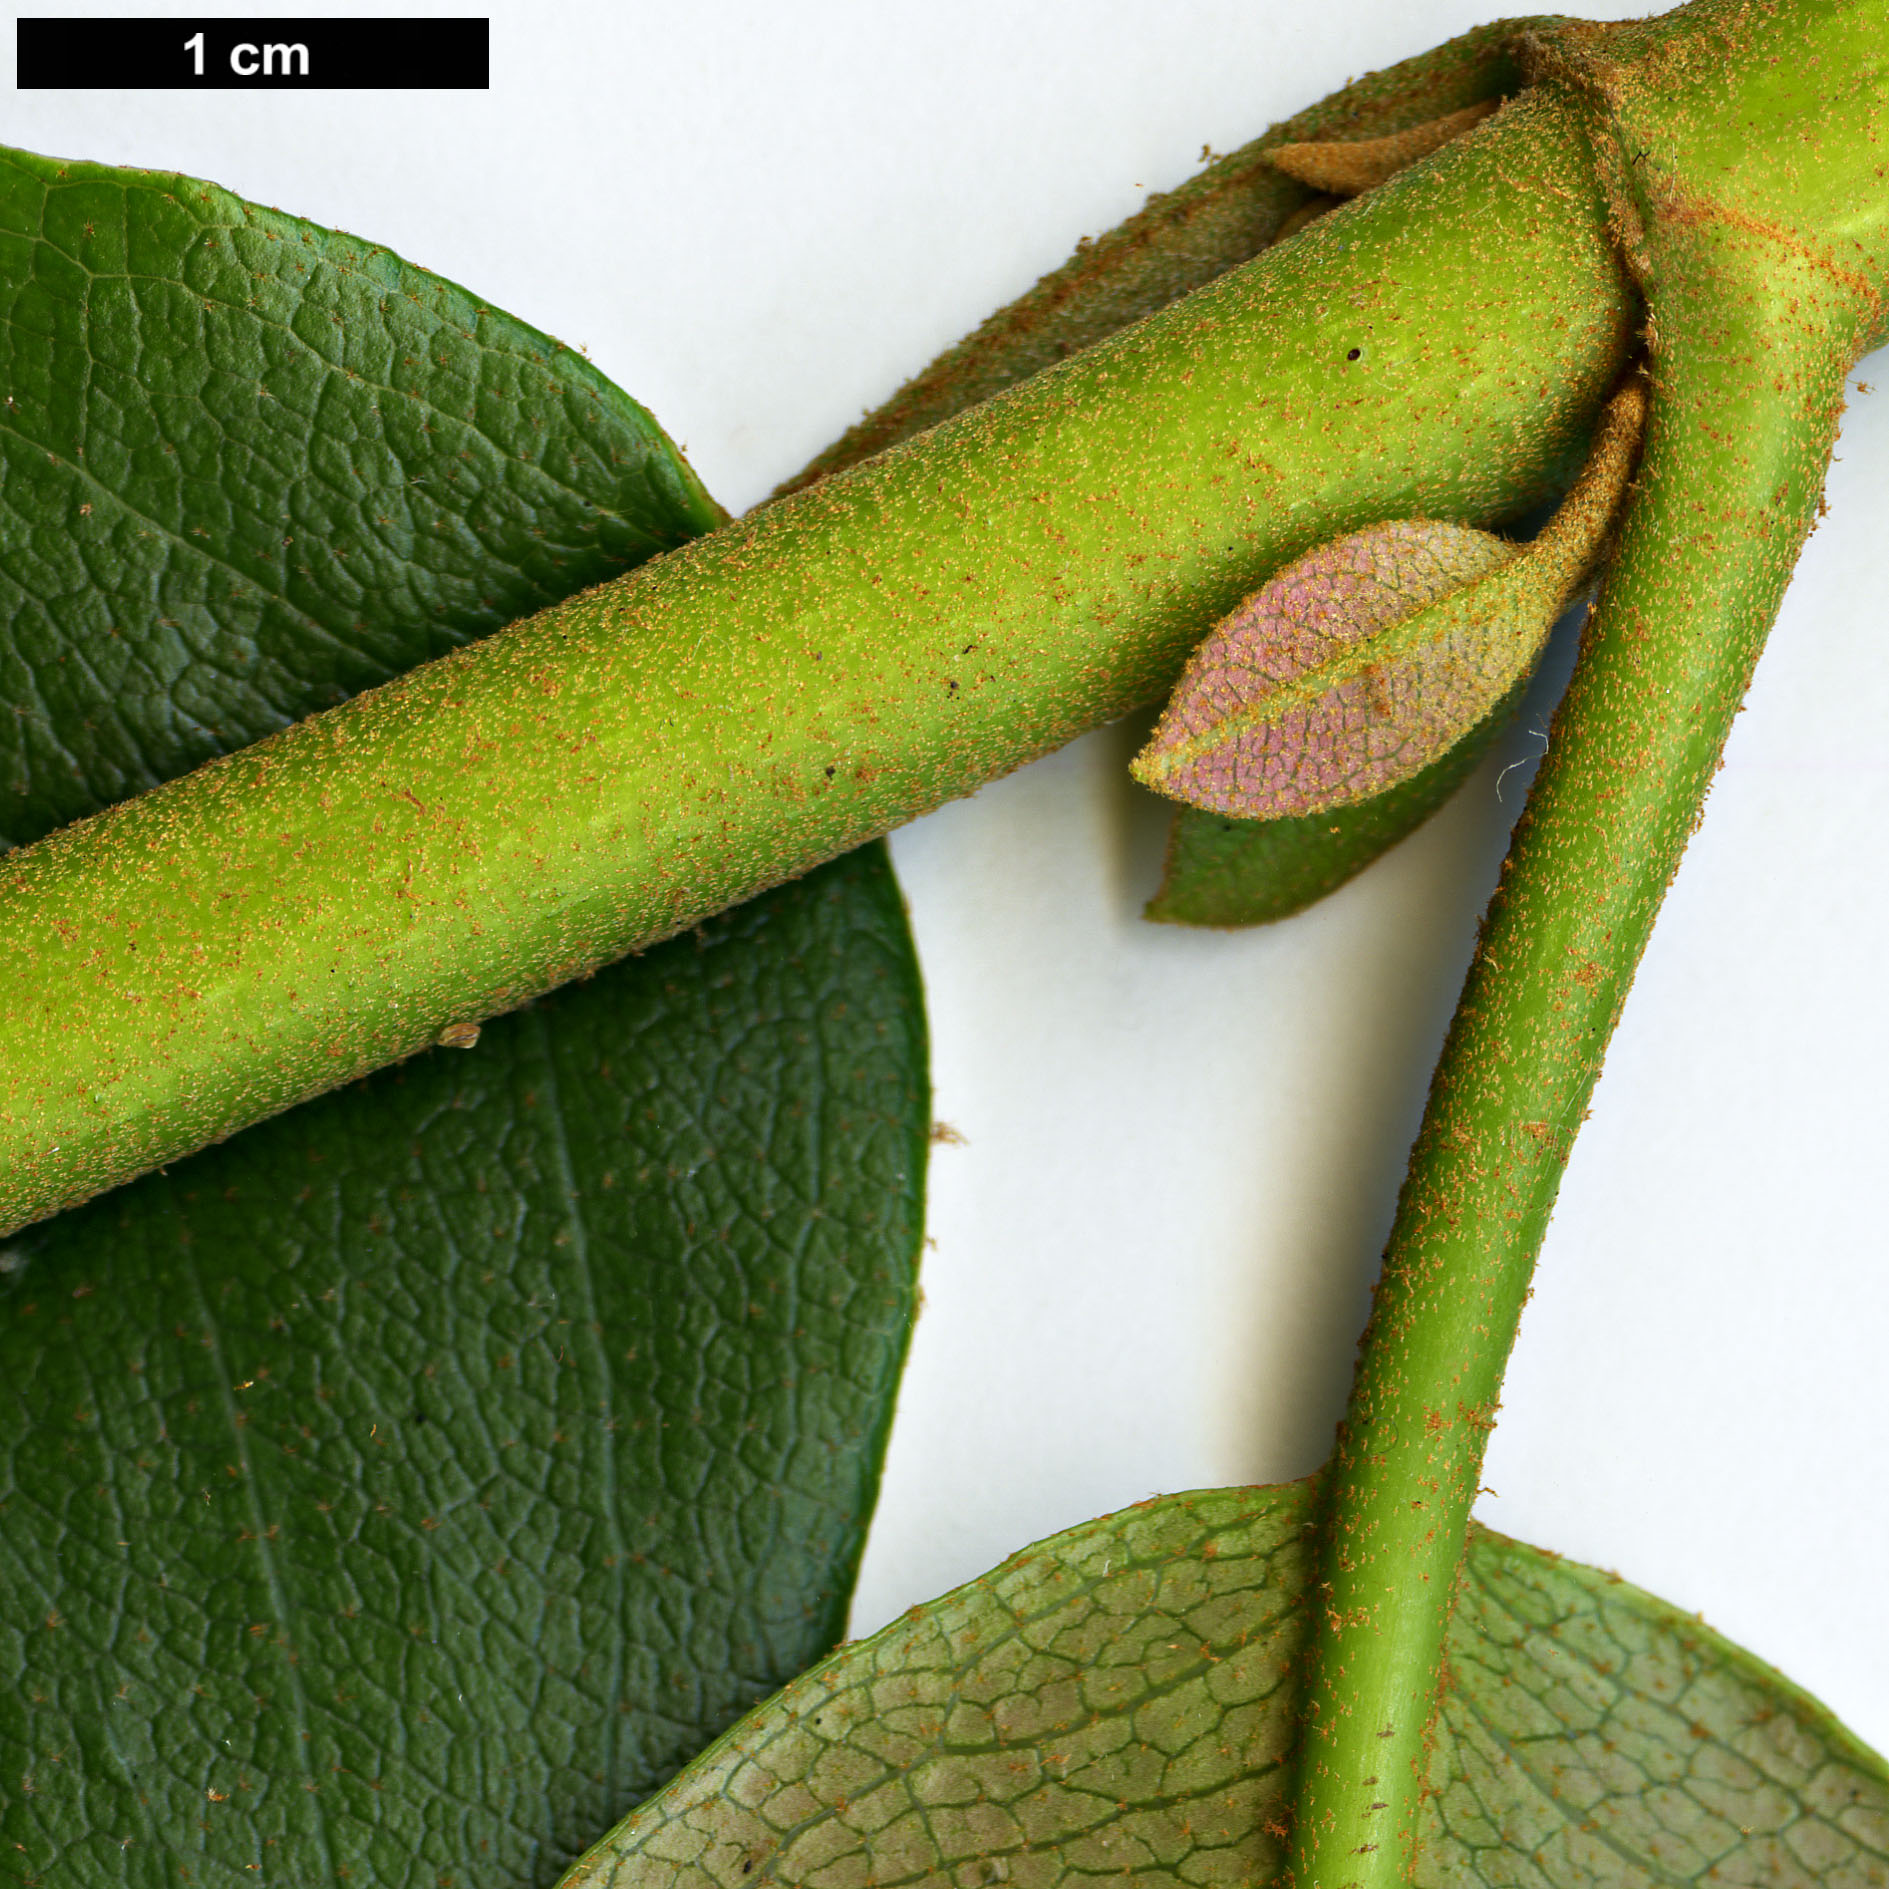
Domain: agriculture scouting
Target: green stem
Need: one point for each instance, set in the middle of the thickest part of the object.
(1753, 327)
(724, 718)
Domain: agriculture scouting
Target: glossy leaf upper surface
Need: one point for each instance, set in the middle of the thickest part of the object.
(409, 1485)
(398, 1492)
(249, 467)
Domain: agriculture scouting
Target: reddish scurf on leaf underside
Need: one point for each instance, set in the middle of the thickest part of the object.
(1371, 657)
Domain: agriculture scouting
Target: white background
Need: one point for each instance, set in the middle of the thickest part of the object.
(1153, 1250)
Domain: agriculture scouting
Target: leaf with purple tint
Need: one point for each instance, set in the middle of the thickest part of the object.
(1369, 659)
(1291, 706)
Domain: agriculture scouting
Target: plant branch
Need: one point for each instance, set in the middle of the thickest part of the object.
(617, 767)
(1753, 326)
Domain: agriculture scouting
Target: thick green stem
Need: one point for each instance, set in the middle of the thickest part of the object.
(1753, 326)
(728, 716)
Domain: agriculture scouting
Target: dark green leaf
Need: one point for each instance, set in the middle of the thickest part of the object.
(402, 1490)
(1119, 1702)
(408, 1486)
(1227, 872)
(249, 467)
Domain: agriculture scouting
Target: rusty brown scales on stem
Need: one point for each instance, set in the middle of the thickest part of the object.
(612, 770)
(1438, 349)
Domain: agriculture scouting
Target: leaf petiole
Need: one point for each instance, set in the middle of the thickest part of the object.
(1761, 295)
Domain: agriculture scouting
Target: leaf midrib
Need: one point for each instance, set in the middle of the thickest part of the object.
(271, 1574)
(606, 1378)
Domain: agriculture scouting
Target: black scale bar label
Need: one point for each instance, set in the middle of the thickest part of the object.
(187, 55)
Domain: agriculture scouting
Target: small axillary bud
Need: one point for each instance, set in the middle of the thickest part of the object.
(1373, 656)
(1343, 168)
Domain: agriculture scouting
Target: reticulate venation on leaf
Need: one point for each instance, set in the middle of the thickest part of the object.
(626, 763)
(253, 467)
(399, 1492)
(1121, 1702)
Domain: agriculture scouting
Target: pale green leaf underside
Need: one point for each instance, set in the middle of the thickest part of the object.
(1119, 1701)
